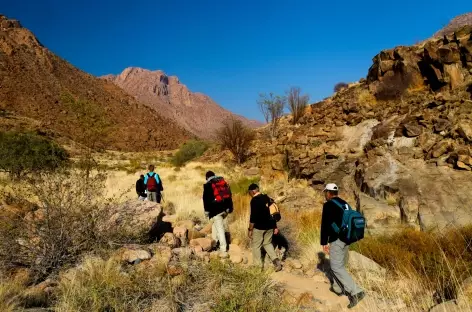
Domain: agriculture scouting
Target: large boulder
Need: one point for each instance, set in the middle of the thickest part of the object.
(135, 216)
(366, 267)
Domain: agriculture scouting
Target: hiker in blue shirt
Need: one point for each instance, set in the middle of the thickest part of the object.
(153, 185)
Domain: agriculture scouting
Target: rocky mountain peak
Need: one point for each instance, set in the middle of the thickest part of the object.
(196, 112)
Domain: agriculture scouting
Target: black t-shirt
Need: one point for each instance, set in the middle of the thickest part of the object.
(332, 213)
(260, 213)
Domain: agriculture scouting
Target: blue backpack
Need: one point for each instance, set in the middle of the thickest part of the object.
(353, 224)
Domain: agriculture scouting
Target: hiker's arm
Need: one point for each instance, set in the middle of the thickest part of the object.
(207, 198)
(145, 181)
(324, 226)
(161, 186)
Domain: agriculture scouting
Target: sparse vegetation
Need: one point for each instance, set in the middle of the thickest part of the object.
(189, 151)
(60, 216)
(340, 86)
(272, 107)
(235, 137)
(240, 186)
(440, 260)
(366, 98)
(23, 153)
(297, 103)
(102, 285)
(391, 200)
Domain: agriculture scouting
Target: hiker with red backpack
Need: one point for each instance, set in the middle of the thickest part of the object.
(153, 184)
(217, 203)
(340, 227)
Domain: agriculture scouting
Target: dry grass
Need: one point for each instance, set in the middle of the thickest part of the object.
(391, 200)
(365, 98)
(10, 291)
(100, 285)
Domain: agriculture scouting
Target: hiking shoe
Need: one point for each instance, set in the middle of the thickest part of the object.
(277, 265)
(354, 300)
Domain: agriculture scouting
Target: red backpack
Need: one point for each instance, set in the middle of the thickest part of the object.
(151, 183)
(221, 190)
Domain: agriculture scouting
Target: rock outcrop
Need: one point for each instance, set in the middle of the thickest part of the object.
(196, 112)
(36, 84)
(403, 157)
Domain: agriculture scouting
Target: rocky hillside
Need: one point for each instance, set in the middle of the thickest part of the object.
(34, 83)
(454, 24)
(398, 142)
(196, 112)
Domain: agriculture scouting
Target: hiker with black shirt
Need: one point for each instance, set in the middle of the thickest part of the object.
(262, 227)
(217, 203)
(332, 219)
(141, 188)
(153, 185)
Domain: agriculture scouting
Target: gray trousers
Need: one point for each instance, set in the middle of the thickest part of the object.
(338, 256)
(154, 197)
(262, 239)
(218, 230)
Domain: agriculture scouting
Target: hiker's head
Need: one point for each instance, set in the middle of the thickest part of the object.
(209, 174)
(331, 190)
(151, 167)
(141, 177)
(253, 189)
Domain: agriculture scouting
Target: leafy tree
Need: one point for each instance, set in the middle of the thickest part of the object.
(297, 103)
(22, 153)
(272, 107)
(235, 137)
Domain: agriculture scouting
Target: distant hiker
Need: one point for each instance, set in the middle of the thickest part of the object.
(339, 236)
(141, 188)
(153, 185)
(217, 203)
(262, 227)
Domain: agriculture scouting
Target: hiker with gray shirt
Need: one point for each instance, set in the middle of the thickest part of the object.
(332, 218)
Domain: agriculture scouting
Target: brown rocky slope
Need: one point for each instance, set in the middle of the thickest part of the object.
(33, 82)
(399, 142)
(454, 24)
(196, 112)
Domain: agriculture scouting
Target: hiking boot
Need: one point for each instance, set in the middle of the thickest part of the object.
(354, 300)
(277, 265)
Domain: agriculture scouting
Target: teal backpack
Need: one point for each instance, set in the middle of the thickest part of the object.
(353, 224)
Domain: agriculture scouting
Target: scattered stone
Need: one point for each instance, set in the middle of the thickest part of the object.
(132, 255)
(206, 229)
(448, 306)
(236, 259)
(214, 255)
(182, 252)
(412, 130)
(366, 267)
(207, 244)
(170, 240)
(174, 270)
(188, 224)
(197, 249)
(181, 233)
(440, 149)
(463, 166)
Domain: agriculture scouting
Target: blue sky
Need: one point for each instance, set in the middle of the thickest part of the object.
(233, 50)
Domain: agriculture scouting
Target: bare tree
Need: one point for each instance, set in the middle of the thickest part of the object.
(235, 137)
(297, 103)
(272, 107)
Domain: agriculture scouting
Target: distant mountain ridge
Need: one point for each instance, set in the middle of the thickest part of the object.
(196, 112)
(33, 81)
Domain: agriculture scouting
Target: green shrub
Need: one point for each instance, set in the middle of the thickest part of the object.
(22, 153)
(189, 151)
(241, 186)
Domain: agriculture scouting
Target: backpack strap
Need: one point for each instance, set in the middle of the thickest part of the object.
(337, 203)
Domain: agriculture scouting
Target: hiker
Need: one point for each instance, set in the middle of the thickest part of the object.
(217, 203)
(262, 227)
(153, 185)
(332, 219)
(141, 188)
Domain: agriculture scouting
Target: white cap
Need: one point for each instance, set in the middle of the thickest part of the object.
(331, 187)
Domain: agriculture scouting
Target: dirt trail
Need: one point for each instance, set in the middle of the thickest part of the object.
(323, 300)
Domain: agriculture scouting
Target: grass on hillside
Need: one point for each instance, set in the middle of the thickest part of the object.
(107, 286)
